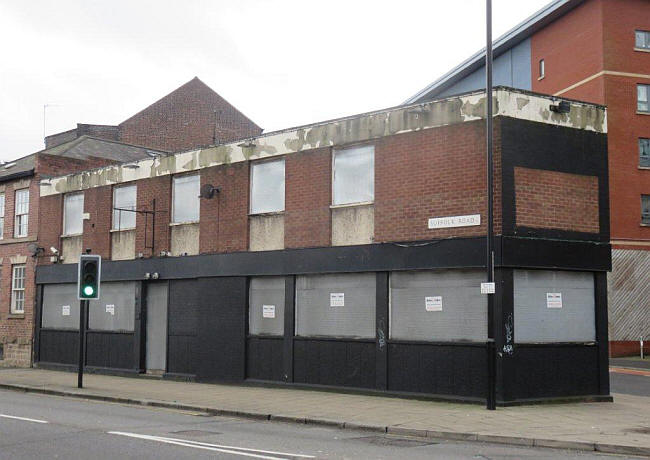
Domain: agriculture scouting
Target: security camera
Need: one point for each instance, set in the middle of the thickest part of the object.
(54, 250)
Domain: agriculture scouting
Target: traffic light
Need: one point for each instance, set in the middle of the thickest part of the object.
(90, 268)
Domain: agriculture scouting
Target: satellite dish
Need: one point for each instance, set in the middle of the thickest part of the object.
(34, 248)
(208, 191)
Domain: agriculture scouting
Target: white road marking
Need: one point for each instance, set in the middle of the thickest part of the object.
(246, 452)
(24, 419)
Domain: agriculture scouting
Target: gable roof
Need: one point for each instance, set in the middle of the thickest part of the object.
(514, 36)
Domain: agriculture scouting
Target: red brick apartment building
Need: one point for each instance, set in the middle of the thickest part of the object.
(596, 51)
(191, 116)
(348, 253)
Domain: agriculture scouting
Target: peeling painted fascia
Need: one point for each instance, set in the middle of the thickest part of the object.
(334, 133)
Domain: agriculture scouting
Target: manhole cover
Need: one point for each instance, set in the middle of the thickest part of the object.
(195, 433)
(641, 430)
(393, 442)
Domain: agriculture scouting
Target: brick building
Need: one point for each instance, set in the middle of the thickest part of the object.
(348, 253)
(191, 116)
(596, 51)
(20, 248)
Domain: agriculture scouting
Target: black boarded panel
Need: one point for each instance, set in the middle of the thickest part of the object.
(456, 370)
(335, 362)
(110, 350)
(264, 359)
(182, 326)
(61, 347)
(544, 371)
(221, 340)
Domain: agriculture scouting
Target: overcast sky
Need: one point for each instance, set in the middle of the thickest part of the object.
(282, 63)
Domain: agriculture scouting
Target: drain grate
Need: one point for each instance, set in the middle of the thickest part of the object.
(389, 441)
(195, 433)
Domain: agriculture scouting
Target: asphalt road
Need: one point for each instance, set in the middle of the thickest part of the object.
(638, 385)
(40, 426)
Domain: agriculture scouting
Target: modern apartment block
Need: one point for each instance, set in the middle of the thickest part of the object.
(348, 253)
(596, 51)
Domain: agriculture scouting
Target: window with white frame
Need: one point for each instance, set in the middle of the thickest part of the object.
(124, 203)
(18, 289)
(353, 175)
(642, 98)
(21, 210)
(73, 208)
(645, 209)
(267, 186)
(185, 202)
(644, 153)
(642, 39)
(2, 215)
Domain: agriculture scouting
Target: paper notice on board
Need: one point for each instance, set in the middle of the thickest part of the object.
(268, 311)
(110, 309)
(553, 300)
(337, 299)
(65, 310)
(433, 303)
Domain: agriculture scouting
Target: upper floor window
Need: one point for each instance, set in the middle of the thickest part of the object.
(124, 203)
(354, 175)
(2, 215)
(542, 68)
(645, 209)
(642, 39)
(18, 289)
(21, 210)
(642, 97)
(267, 186)
(73, 208)
(185, 199)
(644, 153)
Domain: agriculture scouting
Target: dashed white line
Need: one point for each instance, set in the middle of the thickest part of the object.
(24, 419)
(244, 451)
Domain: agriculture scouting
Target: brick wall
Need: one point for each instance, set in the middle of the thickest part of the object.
(189, 117)
(308, 191)
(551, 199)
(160, 189)
(224, 218)
(98, 203)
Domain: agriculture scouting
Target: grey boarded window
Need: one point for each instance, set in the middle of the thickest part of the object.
(340, 305)
(60, 307)
(266, 306)
(115, 309)
(554, 306)
(440, 305)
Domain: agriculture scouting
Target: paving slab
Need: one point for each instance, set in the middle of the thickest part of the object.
(622, 426)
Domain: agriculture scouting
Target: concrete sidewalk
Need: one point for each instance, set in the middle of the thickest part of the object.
(621, 427)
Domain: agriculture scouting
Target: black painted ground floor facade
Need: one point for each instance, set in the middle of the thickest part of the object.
(383, 317)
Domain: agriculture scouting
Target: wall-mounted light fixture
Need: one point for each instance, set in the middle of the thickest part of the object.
(562, 107)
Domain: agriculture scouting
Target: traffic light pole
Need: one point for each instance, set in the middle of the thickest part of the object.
(83, 313)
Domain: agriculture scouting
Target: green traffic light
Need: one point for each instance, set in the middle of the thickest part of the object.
(89, 290)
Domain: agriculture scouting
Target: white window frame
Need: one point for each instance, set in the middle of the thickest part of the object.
(198, 217)
(642, 40)
(260, 209)
(645, 101)
(335, 202)
(2, 215)
(644, 153)
(18, 288)
(542, 68)
(65, 197)
(118, 216)
(21, 212)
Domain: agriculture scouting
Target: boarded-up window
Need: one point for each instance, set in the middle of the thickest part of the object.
(441, 305)
(124, 203)
(185, 206)
(354, 175)
(73, 223)
(341, 305)
(554, 306)
(267, 186)
(60, 307)
(115, 309)
(266, 306)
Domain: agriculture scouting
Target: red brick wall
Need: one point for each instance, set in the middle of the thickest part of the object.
(160, 189)
(185, 119)
(433, 173)
(308, 191)
(551, 199)
(50, 224)
(224, 218)
(98, 202)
